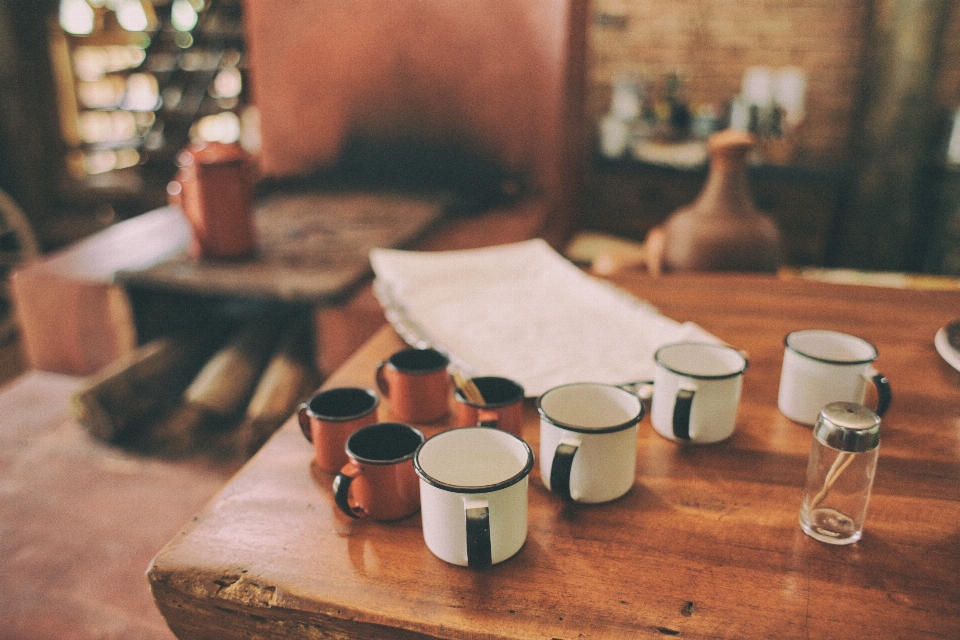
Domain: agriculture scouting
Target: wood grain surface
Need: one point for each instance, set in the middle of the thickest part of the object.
(705, 545)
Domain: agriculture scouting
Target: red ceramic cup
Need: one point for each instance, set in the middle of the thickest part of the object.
(379, 480)
(331, 416)
(417, 384)
(502, 405)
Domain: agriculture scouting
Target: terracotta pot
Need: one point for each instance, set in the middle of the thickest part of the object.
(722, 229)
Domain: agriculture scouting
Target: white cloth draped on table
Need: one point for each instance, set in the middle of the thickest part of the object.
(524, 312)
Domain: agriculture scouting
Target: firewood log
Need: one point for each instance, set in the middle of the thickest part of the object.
(220, 391)
(289, 378)
(122, 400)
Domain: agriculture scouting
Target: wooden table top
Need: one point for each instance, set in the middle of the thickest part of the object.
(705, 545)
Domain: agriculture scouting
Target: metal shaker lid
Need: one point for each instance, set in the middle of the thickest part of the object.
(848, 426)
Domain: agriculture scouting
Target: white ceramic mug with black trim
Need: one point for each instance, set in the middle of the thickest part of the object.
(588, 440)
(821, 366)
(696, 391)
(473, 494)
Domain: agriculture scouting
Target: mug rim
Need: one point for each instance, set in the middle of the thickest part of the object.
(786, 344)
(489, 488)
(700, 376)
(343, 390)
(380, 425)
(442, 364)
(458, 394)
(611, 429)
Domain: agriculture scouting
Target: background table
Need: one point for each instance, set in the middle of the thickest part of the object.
(86, 306)
(705, 545)
(312, 247)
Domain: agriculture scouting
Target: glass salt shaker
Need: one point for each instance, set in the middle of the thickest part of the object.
(843, 460)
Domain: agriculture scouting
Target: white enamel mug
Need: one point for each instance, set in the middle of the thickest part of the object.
(696, 391)
(588, 440)
(473, 494)
(822, 366)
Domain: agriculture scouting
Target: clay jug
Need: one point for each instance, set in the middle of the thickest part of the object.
(721, 230)
(214, 188)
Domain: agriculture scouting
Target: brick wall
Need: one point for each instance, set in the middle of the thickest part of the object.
(711, 42)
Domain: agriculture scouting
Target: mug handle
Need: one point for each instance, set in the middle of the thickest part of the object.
(884, 392)
(487, 418)
(681, 411)
(341, 490)
(304, 419)
(479, 554)
(382, 379)
(643, 389)
(561, 467)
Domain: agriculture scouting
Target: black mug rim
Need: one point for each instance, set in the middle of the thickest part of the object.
(441, 364)
(697, 376)
(611, 429)
(786, 344)
(518, 396)
(455, 488)
(380, 426)
(358, 392)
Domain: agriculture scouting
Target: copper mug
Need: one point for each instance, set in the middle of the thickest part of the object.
(416, 384)
(502, 405)
(332, 416)
(378, 480)
(214, 188)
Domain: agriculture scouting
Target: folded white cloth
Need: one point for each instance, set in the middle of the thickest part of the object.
(524, 312)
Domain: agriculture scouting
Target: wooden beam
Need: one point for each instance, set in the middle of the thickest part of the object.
(892, 135)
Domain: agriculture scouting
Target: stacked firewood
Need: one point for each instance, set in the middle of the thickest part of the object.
(199, 394)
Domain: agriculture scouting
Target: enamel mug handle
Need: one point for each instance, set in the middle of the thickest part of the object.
(341, 490)
(882, 385)
(479, 554)
(304, 419)
(643, 389)
(562, 466)
(381, 378)
(681, 411)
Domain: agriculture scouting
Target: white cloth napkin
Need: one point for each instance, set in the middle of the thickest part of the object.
(524, 312)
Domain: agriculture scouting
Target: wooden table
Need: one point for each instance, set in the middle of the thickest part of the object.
(706, 544)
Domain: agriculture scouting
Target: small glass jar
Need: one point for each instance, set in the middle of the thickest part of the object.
(843, 460)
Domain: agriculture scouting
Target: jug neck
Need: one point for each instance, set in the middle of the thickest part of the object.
(727, 191)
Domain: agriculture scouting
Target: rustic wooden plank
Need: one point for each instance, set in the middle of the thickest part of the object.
(73, 317)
